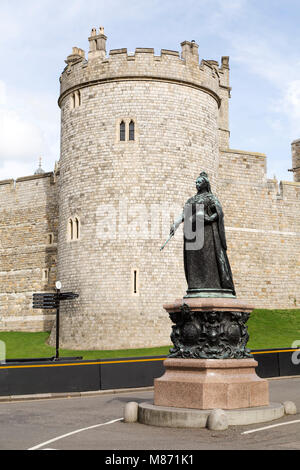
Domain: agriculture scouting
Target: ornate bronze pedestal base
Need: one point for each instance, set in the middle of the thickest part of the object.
(210, 365)
(209, 328)
(210, 383)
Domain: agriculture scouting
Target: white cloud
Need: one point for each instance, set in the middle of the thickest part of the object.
(13, 169)
(292, 98)
(20, 139)
(289, 105)
(3, 95)
(29, 128)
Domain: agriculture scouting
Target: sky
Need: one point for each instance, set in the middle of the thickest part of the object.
(260, 36)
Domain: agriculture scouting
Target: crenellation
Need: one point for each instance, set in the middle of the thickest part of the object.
(7, 182)
(224, 71)
(290, 190)
(113, 52)
(169, 52)
(144, 50)
(169, 66)
(189, 52)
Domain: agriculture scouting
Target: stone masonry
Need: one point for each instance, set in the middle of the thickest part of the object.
(179, 109)
(28, 250)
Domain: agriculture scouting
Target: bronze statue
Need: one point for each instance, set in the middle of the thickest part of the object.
(207, 268)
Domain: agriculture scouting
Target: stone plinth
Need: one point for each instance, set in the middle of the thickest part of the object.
(211, 383)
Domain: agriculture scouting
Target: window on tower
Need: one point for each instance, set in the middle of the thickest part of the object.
(126, 130)
(122, 131)
(70, 230)
(73, 232)
(76, 228)
(131, 130)
(135, 281)
(75, 99)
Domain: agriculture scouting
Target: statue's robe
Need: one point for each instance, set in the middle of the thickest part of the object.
(208, 267)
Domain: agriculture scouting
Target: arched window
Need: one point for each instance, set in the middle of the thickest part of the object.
(122, 131)
(75, 99)
(73, 229)
(131, 130)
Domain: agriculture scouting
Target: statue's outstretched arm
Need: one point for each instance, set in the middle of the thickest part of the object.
(176, 224)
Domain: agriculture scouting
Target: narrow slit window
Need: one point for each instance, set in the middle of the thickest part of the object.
(122, 131)
(78, 99)
(50, 238)
(76, 228)
(135, 281)
(131, 130)
(71, 229)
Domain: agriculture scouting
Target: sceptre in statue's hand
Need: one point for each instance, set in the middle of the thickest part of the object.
(173, 229)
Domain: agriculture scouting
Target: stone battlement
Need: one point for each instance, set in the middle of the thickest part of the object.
(13, 183)
(143, 64)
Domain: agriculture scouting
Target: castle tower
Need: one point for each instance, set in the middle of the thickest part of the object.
(136, 131)
(296, 160)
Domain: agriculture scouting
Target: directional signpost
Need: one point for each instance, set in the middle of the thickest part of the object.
(50, 301)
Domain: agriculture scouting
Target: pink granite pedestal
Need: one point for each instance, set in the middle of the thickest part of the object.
(211, 383)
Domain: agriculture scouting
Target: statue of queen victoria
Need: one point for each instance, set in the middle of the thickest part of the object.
(207, 268)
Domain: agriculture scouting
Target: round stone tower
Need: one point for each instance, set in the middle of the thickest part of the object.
(296, 160)
(136, 131)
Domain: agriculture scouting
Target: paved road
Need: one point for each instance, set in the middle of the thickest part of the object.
(24, 425)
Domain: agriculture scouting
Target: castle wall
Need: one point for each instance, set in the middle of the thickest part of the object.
(28, 214)
(263, 230)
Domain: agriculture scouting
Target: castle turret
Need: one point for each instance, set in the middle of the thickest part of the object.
(137, 129)
(296, 160)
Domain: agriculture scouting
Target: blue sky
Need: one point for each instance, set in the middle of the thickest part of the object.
(261, 37)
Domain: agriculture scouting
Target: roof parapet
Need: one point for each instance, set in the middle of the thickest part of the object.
(182, 66)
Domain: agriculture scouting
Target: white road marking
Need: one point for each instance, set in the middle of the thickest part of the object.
(271, 426)
(72, 433)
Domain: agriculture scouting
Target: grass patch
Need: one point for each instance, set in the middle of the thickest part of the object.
(273, 328)
(21, 345)
(267, 329)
